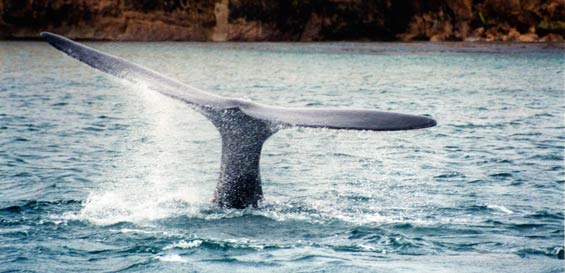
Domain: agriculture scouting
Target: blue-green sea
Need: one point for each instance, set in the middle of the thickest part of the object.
(97, 175)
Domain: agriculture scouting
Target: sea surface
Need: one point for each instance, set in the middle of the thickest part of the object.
(101, 176)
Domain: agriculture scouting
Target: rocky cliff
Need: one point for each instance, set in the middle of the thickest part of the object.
(286, 20)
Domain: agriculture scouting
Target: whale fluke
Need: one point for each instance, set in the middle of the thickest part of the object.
(243, 125)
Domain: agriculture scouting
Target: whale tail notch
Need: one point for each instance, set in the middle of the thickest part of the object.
(243, 125)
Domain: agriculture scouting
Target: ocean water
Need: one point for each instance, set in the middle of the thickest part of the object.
(101, 176)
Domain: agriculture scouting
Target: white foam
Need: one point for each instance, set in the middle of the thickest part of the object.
(184, 244)
(175, 258)
(500, 208)
(129, 230)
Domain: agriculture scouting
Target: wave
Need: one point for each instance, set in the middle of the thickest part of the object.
(36, 205)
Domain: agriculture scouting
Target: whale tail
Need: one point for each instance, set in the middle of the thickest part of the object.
(243, 125)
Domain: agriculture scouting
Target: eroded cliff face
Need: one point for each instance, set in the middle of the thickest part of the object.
(109, 19)
(286, 20)
(488, 20)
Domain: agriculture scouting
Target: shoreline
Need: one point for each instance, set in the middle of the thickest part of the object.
(287, 21)
(552, 44)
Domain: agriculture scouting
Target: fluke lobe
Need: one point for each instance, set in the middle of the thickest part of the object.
(243, 125)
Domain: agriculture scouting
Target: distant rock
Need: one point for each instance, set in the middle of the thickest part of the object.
(552, 38)
(528, 37)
